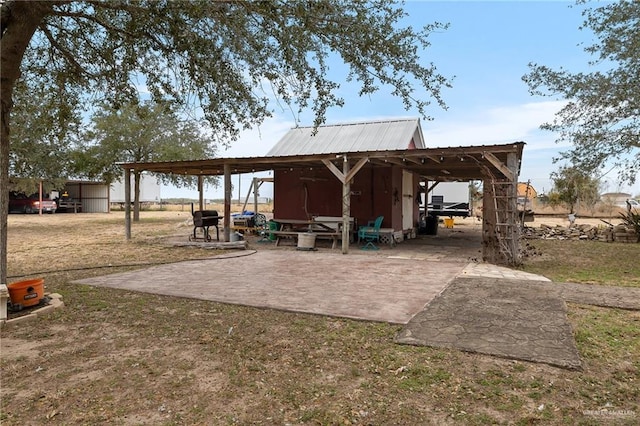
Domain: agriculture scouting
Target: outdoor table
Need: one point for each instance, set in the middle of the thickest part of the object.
(302, 225)
(293, 227)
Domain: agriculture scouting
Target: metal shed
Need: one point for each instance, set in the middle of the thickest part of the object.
(87, 196)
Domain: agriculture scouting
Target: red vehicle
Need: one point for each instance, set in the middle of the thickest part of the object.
(21, 203)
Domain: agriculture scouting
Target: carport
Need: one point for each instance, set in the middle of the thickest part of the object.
(497, 166)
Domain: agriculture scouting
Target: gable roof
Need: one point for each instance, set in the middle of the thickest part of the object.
(380, 135)
(382, 143)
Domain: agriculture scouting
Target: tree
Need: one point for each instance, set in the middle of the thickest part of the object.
(219, 53)
(43, 132)
(572, 186)
(602, 116)
(140, 132)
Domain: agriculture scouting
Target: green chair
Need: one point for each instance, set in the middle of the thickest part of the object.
(262, 228)
(370, 234)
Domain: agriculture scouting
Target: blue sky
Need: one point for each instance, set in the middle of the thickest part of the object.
(486, 51)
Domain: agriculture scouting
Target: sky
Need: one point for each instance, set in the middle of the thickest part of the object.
(485, 51)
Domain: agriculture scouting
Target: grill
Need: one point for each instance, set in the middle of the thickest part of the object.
(204, 219)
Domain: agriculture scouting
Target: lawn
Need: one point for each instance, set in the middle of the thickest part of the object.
(117, 357)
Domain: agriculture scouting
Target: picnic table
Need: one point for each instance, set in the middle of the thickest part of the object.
(290, 228)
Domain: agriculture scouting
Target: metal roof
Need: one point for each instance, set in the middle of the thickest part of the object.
(380, 135)
(445, 164)
(381, 143)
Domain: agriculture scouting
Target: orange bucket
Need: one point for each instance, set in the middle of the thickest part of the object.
(26, 293)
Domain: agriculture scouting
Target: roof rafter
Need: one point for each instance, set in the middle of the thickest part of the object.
(424, 162)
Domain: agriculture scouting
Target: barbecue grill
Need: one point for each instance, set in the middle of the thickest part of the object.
(204, 219)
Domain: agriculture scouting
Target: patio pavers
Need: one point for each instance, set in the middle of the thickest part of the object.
(375, 288)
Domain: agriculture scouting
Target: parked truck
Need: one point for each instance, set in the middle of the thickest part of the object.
(444, 199)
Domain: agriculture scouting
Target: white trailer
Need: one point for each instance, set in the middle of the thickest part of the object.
(149, 190)
(449, 199)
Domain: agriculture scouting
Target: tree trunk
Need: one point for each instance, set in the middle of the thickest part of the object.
(19, 22)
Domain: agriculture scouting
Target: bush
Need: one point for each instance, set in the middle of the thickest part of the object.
(632, 219)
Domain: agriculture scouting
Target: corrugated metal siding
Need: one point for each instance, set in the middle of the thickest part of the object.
(94, 196)
(95, 205)
(355, 137)
(95, 199)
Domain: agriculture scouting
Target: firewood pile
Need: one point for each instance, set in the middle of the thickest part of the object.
(619, 233)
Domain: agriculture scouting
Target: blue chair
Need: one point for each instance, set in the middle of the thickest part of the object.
(370, 234)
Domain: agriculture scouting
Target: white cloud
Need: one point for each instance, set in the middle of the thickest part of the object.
(492, 126)
(496, 125)
(254, 142)
(258, 141)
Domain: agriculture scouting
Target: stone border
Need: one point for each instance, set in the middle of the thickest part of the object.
(54, 303)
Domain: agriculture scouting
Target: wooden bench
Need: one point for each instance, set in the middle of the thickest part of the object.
(336, 222)
(283, 234)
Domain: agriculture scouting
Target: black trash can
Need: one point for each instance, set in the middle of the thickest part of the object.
(431, 225)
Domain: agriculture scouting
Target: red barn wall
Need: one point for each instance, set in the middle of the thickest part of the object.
(375, 191)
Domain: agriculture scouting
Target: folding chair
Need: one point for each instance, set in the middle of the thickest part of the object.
(370, 234)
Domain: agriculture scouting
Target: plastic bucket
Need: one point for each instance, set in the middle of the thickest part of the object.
(236, 236)
(306, 241)
(448, 222)
(26, 293)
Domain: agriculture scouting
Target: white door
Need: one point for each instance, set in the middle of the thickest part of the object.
(407, 200)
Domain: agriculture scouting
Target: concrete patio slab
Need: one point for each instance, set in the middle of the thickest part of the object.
(367, 287)
(601, 295)
(509, 318)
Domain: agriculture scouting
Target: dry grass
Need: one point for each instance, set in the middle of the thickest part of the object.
(118, 357)
(589, 262)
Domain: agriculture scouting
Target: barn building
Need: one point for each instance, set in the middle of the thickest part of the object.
(368, 169)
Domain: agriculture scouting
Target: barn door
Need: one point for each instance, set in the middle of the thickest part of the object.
(407, 200)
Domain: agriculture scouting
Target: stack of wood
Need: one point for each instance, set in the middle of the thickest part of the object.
(618, 233)
(624, 234)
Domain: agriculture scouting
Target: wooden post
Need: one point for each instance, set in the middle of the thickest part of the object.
(200, 193)
(254, 184)
(227, 203)
(127, 204)
(500, 231)
(346, 206)
(40, 199)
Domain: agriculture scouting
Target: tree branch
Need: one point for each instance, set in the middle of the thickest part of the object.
(68, 55)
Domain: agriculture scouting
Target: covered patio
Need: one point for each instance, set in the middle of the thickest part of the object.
(497, 166)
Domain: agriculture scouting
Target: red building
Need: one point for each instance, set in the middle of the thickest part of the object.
(378, 188)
